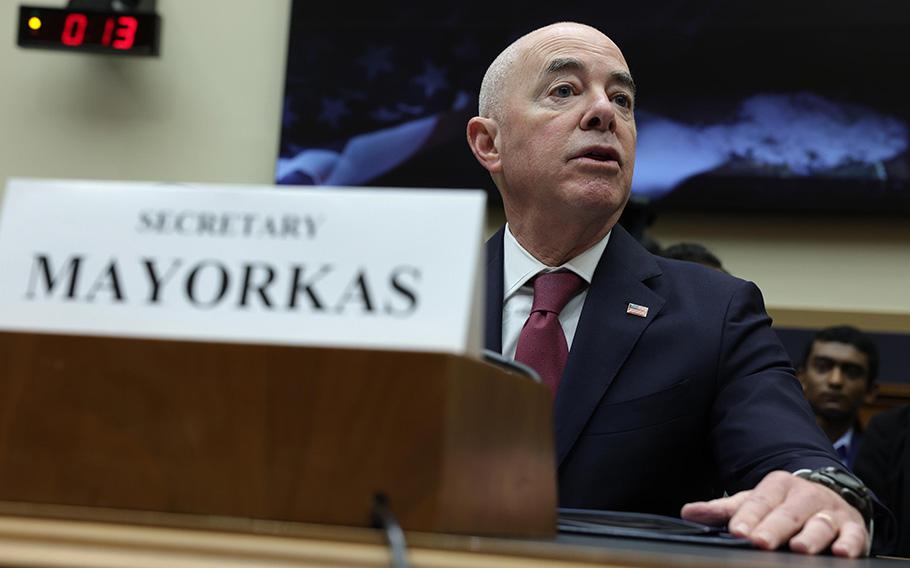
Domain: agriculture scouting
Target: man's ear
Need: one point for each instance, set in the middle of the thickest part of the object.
(482, 138)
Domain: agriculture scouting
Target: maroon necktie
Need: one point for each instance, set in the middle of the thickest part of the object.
(542, 342)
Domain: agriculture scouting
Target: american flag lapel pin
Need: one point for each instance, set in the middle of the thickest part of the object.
(636, 310)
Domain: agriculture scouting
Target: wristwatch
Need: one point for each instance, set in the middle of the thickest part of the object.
(844, 484)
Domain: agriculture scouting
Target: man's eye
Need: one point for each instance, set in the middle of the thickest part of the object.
(822, 364)
(563, 91)
(622, 100)
(853, 371)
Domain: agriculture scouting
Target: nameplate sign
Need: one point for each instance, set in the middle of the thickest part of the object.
(333, 267)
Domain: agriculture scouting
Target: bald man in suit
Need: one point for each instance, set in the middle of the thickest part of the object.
(675, 389)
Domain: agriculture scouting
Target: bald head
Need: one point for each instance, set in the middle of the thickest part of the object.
(496, 80)
(557, 134)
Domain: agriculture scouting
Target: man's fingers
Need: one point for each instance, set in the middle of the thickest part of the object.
(714, 512)
(787, 518)
(852, 540)
(766, 496)
(782, 506)
(822, 528)
(819, 531)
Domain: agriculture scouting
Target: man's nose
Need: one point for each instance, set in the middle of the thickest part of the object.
(600, 114)
(836, 377)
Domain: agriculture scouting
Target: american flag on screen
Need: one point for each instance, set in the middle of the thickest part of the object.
(361, 101)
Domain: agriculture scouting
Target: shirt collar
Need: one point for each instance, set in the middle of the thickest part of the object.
(845, 440)
(519, 265)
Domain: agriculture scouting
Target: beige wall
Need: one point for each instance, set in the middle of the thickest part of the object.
(813, 271)
(208, 109)
(815, 264)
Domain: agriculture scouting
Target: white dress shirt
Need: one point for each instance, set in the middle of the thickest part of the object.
(519, 266)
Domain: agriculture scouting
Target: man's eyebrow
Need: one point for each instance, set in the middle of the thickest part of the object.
(562, 63)
(624, 79)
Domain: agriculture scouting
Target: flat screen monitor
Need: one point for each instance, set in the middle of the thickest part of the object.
(756, 107)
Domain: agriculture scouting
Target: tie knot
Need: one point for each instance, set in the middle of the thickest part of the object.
(553, 290)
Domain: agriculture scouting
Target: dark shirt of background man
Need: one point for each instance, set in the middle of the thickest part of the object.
(883, 463)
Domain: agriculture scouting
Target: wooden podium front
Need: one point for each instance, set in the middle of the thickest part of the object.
(275, 432)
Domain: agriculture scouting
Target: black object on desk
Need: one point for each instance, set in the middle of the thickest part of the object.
(643, 525)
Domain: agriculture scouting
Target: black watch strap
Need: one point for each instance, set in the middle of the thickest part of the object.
(845, 484)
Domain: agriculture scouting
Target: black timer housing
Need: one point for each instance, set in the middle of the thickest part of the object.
(108, 26)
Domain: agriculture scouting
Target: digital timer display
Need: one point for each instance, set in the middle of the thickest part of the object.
(85, 30)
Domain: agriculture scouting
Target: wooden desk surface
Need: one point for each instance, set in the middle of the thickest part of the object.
(51, 536)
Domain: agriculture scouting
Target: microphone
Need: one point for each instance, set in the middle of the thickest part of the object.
(510, 365)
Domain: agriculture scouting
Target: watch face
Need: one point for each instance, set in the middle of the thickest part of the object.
(846, 479)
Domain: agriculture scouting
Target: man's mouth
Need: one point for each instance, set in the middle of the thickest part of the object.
(832, 398)
(599, 153)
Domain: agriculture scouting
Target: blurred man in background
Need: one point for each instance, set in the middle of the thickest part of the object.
(838, 376)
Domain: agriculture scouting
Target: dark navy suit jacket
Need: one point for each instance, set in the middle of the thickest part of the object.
(695, 399)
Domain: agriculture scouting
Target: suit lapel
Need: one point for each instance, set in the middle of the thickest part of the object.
(493, 309)
(605, 335)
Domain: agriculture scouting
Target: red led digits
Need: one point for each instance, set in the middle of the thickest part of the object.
(108, 31)
(126, 33)
(90, 30)
(74, 29)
